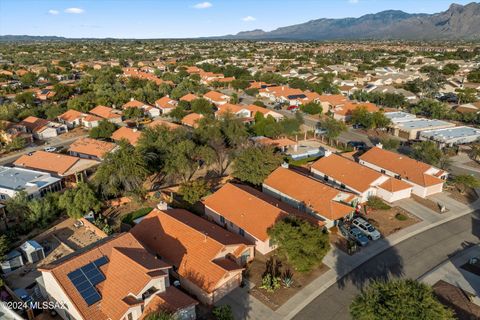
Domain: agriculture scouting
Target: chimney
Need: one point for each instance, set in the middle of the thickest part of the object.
(131, 99)
(135, 129)
(206, 237)
(379, 145)
(327, 153)
(162, 205)
(285, 165)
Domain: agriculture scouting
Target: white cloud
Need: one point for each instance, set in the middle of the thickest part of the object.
(248, 18)
(203, 5)
(353, 1)
(74, 10)
(53, 12)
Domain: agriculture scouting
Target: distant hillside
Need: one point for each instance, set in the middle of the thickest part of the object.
(30, 38)
(458, 22)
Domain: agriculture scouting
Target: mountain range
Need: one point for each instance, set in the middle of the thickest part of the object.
(459, 22)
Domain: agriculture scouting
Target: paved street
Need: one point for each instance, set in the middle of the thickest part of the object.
(410, 259)
(53, 143)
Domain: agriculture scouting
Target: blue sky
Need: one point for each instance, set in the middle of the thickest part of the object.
(183, 18)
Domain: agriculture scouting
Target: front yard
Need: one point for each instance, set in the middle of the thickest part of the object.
(391, 220)
(387, 221)
(275, 299)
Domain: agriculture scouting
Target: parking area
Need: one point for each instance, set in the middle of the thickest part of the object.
(350, 235)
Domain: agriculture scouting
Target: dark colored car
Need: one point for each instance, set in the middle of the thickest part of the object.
(359, 145)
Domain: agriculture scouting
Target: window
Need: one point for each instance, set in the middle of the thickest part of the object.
(342, 186)
(241, 232)
(222, 219)
(382, 171)
(129, 316)
(325, 178)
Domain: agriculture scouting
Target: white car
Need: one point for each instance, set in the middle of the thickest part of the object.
(366, 228)
(50, 149)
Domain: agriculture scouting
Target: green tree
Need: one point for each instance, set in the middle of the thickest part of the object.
(42, 211)
(254, 164)
(240, 84)
(79, 201)
(362, 117)
(17, 143)
(202, 106)
(432, 108)
(104, 130)
(62, 92)
(17, 206)
(225, 137)
(380, 120)
(194, 191)
(25, 98)
(311, 108)
(122, 172)
(178, 113)
(186, 158)
(134, 113)
(4, 247)
(450, 69)
(390, 143)
(464, 181)
(333, 127)
(427, 151)
(223, 312)
(466, 95)
(474, 76)
(28, 79)
(398, 299)
(301, 242)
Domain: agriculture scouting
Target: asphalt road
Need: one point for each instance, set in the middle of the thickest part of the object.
(411, 258)
(58, 143)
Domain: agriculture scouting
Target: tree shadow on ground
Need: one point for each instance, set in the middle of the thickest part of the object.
(383, 266)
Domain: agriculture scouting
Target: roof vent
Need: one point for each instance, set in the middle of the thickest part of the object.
(285, 165)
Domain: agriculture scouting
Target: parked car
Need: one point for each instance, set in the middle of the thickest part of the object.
(358, 236)
(50, 149)
(359, 145)
(358, 126)
(366, 228)
(292, 108)
(353, 233)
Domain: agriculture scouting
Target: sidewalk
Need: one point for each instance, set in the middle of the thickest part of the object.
(246, 306)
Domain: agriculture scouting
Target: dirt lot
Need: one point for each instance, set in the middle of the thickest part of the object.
(387, 223)
(276, 299)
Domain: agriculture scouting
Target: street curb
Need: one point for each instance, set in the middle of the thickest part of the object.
(394, 242)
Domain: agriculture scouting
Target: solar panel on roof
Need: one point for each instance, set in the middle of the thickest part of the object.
(101, 261)
(85, 278)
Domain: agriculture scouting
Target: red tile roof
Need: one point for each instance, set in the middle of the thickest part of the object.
(250, 209)
(190, 243)
(320, 197)
(347, 172)
(129, 269)
(131, 135)
(408, 168)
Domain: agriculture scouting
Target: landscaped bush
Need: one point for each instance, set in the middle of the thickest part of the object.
(377, 203)
(401, 217)
(130, 217)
